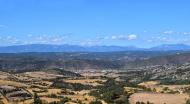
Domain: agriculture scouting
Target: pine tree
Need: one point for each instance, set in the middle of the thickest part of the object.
(37, 99)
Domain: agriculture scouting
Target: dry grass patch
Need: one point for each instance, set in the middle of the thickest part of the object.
(154, 85)
(132, 90)
(82, 95)
(12, 83)
(93, 82)
(49, 100)
(26, 101)
(149, 83)
(4, 75)
(42, 75)
(70, 103)
(49, 92)
(3, 99)
(175, 87)
(158, 98)
(92, 74)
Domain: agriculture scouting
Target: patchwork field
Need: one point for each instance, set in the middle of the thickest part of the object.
(12, 83)
(109, 87)
(41, 83)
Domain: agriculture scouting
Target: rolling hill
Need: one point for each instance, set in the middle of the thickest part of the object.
(90, 60)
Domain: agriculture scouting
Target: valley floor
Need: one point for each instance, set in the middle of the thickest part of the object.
(92, 87)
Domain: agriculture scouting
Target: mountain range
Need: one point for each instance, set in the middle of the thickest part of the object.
(171, 47)
(77, 48)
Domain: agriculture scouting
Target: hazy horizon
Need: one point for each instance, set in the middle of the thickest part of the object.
(180, 44)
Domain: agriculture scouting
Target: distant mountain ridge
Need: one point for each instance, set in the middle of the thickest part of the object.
(63, 48)
(166, 47)
(77, 48)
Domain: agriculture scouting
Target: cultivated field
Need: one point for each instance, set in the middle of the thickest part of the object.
(96, 87)
(158, 98)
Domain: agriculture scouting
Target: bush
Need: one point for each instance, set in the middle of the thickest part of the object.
(52, 96)
(37, 100)
(188, 101)
(96, 102)
(73, 86)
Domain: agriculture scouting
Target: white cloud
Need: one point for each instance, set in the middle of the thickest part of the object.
(186, 33)
(169, 32)
(120, 37)
(3, 26)
(160, 39)
(132, 37)
(106, 37)
(99, 40)
(145, 31)
(47, 39)
(9, 40)
(34, 39)
(30, 35)
(114, 37)
(90, 42)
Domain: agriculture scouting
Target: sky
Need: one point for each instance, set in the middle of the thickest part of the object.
(141, 23)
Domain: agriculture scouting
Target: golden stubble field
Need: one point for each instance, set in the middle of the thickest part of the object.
(158, 98)
(159, 94)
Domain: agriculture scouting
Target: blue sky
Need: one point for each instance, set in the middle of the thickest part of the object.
(142, 23)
